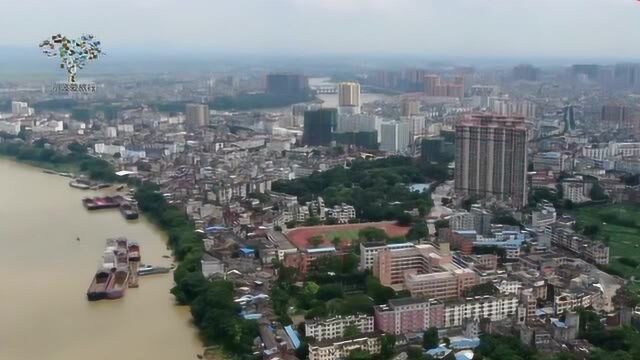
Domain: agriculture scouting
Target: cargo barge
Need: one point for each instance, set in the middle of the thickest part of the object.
(118, 270)
(128, 207)
(104, 202)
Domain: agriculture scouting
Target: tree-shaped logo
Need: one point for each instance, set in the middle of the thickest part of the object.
(73, 53)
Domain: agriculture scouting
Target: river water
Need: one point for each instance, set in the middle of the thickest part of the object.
(45, 272)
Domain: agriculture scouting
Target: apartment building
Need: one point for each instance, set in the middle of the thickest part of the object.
(593, 251)
(494, 308)
(369, 252)
(341, 213)
(323, 329)
(330, 350)
(424, 271)
(409, 315)
(491, 158)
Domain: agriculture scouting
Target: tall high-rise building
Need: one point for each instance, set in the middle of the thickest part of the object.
(491, 158)
(431, 83)
(287, 84)
(525, 72)
(19, 108)
(319, 126)
(627, 75)
(349, 97)
(196, 115)
(395, 137)
(409, 107)
(616, 115)
(434, 87)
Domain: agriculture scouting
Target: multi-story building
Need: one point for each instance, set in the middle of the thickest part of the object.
(542, 216)
(491, 158)
(576, 190)
(616, 115)
(408, 315)
(319, 126)
(395, 137)
(592, 251)
(349, 98)
(323, 329)
(409, 108)
(341, 213)
(369, 252)
(546, 161)
(441, 285)
(494, 308)
(433, 86)
(334, 350)
(423, 271)
(508, 287)
(287, 84)
(569, 300)
(481, 219)
(197, 116)
(525, 72)
(462, 221)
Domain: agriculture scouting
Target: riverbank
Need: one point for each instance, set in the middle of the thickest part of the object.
(211, 302)
(45, 272)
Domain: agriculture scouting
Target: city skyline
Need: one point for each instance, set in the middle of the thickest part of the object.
(555, 29)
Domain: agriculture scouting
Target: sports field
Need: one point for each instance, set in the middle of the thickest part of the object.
(620, 229)
(347, 233)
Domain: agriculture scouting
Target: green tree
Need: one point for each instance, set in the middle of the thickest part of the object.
(351, 331)
(404, 219)
(336, 241)
(597, 193)
(315, 241)
(418, 231)
(387, 346)
(430, 338)
(371, 234)
(359, 354)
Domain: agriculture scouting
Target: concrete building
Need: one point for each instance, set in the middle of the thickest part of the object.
(323, 329)
(342, 214)
(494, 308)
(408, 315)
(491, 158)
(576, 190)
(369, 252)
(424, 271)
(616, 115)
(211, 266)
(462, 221)
(197, 116)
(525, 72)
(334, 350)
(549, 161)
(349, 98)
(319, 126)
(395, 137)
(409, 108)
(19, 108)
(543, 216)
(286, 84)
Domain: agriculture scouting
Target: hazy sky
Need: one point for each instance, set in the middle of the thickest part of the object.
(496, 28)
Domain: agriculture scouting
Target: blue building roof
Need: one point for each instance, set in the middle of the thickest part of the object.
(295, 340)
(247, 251)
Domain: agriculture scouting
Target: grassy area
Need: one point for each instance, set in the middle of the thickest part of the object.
(347, 234)
(620, 229)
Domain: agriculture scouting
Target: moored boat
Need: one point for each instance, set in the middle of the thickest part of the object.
(104, 202)
(98, 288)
